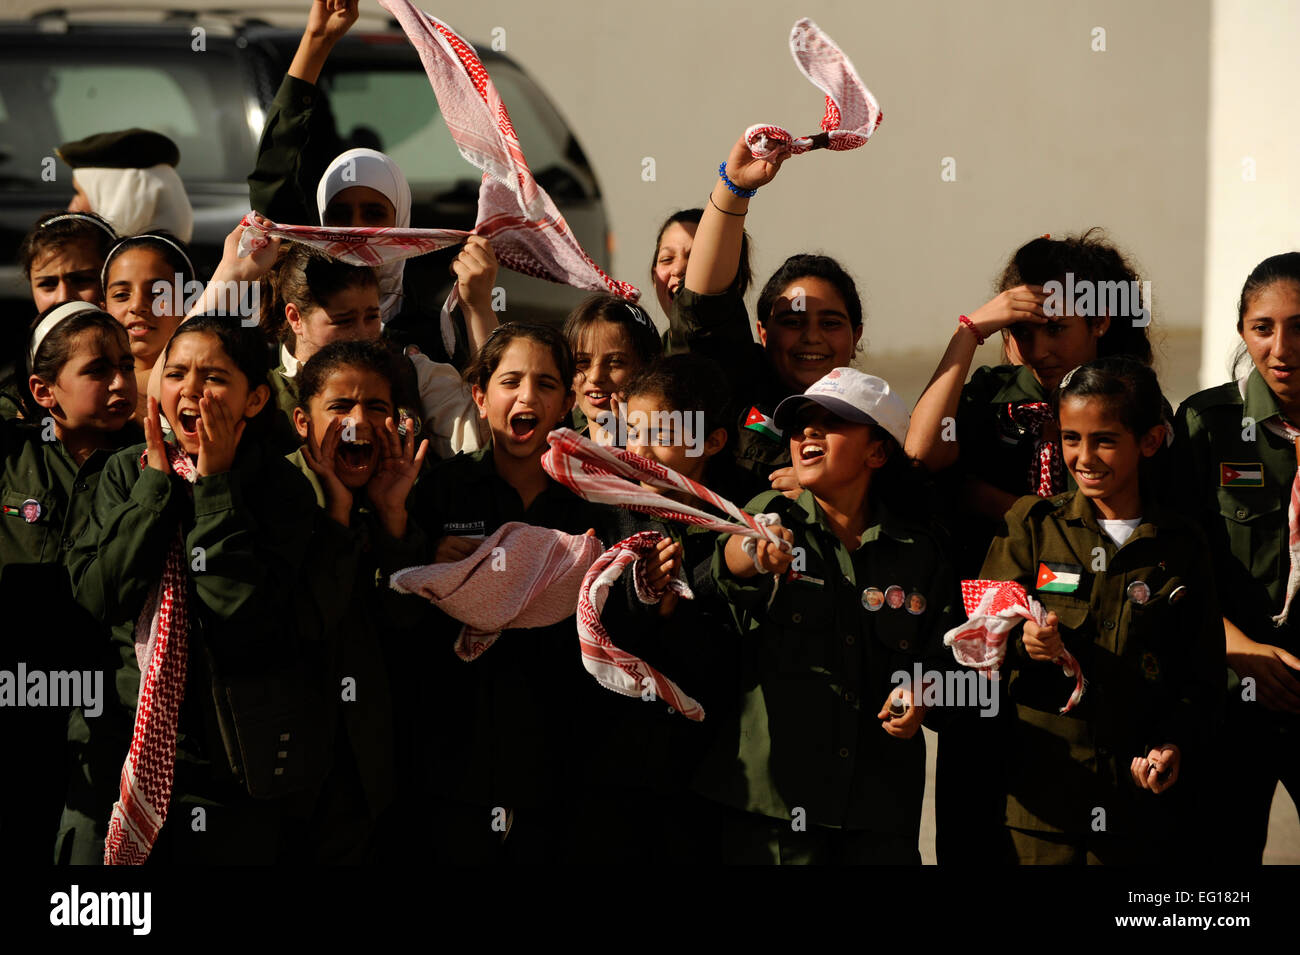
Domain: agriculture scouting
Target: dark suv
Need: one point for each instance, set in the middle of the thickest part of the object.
(62, 79)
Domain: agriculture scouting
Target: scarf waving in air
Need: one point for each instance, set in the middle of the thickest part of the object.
(527, 231)
(852, 113)
(612, 476)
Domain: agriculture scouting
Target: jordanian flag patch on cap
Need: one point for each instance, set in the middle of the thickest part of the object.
(1058, 578)
(1241, 475)
(757, 421)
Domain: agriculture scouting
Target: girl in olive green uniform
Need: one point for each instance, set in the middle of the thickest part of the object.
(81, 397)
(252, 720)
(362, 472)
(1237, 455)
(503, 752)
(990, 441)
(1129, 592)
(813, 764)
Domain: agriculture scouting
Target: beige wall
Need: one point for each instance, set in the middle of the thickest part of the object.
(1253, 121)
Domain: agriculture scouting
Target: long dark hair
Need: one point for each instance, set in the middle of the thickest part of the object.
(1284, 267)
(811, 266)
(745, 270)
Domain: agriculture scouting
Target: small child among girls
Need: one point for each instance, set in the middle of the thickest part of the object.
(992, 440)
(318, 300)
(80, 394)
(504, 734)
(642, 756)
(812, 766)
(144, 278)
(362, 472)
(61, 258)
(1236, 450)
(230, 530)
(1129, 590)
(809, 318)
(363, 187)
(611, 340)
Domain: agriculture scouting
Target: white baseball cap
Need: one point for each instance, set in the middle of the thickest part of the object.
(854, 396)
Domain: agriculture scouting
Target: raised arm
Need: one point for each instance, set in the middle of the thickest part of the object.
(715, 254)
(925, 433)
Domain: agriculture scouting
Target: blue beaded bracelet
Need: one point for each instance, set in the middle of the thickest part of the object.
(743, 193)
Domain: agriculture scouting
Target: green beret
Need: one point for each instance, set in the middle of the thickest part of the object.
(125, 149)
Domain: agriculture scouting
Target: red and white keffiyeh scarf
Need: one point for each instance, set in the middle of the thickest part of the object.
(1287, 432)
(612, 476)
(527, 231)
(162, 650)
(519, 577)
(852, 113)
(994, 608)
(617, 669)
(1047, 470)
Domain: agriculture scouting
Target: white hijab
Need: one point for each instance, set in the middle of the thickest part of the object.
(367, 167)
(139, 200)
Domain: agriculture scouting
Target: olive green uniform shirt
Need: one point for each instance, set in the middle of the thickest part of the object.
(1235, 477)
(815, 668)
(1154, 669)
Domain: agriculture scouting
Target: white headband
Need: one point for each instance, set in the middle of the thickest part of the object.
(82, 217)
(103, 274)
(66, 310)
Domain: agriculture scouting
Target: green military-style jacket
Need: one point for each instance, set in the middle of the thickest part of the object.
(268, 576)
(815, 668)
(718, 327)
(1155, 669)
(1235, 476)
(44, 473)
(504, 729)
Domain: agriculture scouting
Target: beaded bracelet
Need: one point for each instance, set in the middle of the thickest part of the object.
(979, 339)
(743, 193)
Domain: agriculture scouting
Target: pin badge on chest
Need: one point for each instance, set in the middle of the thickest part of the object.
(1139, 592)
(894, 596)
(873, 598)
(31, 510)
(916, 603)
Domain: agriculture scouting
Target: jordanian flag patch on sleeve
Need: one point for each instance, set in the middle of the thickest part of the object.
(757, 421)
(1058, 578)
(1241, 475)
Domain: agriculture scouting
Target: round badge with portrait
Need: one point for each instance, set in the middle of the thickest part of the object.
(873, 598)
(916, 603)
(1139, 592)
(894, 596)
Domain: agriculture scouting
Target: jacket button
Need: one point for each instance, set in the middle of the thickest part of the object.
(1109, 624)
(903, 644)
(67, 543)
(1241, 512)
(80, 486)
(1103, 752)
(796, 618)
(848, 696)
(849, 640)
(844, 753)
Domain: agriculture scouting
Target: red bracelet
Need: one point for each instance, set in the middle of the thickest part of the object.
(971, 325)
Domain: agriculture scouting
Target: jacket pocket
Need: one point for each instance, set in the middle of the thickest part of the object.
(1257, 529)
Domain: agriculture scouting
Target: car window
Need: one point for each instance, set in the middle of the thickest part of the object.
(395, 111)
(195, 98)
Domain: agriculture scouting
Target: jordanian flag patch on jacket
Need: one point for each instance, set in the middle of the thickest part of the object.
(1058, 578)
(1241, 475)
(757, 421)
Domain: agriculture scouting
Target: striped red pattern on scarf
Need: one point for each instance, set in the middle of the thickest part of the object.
(1047, 471)
(994, 609)
(162, 650)
(852, 113)
(617, 669)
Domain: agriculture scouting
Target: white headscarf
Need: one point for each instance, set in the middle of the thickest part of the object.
(139, 200)
(367, 167)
